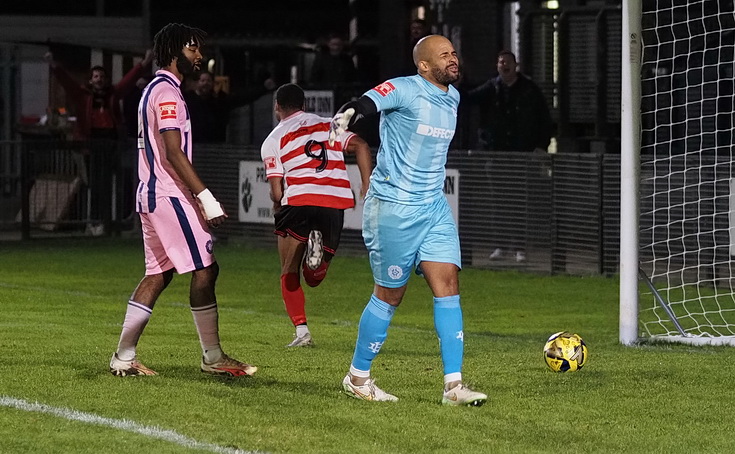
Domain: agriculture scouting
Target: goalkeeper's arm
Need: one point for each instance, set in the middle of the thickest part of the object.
(363, 106)
(349, 114)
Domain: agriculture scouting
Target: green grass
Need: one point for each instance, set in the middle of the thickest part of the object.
(62, 304)
(698, 308)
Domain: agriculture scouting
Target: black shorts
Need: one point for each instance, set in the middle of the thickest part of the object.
(298, 221)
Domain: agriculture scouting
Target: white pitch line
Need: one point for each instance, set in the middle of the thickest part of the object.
(122, 424)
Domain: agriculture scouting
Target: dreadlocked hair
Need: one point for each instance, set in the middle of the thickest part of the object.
(169, 41)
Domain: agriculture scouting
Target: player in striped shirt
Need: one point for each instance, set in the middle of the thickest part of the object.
(175, 223)
(407, 222)
(310, 190)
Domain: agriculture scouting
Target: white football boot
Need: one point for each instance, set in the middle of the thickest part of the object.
(314, 251)
(462, 395)
(368, 391)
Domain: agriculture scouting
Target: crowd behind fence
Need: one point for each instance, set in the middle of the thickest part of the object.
(561, 210)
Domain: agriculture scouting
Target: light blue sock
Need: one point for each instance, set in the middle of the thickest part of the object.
(448, 324)
(371, 333)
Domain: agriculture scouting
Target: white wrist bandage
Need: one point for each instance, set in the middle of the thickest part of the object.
(210, 205)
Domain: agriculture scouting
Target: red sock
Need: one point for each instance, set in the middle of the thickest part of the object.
(315, 277)
(293, 298)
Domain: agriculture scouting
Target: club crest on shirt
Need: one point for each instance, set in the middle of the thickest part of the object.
(167, 110)
(385, 88)
(270, 162)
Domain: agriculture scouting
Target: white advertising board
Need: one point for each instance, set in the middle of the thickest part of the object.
(256, 206)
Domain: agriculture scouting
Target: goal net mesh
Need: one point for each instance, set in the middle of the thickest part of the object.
(687, 173)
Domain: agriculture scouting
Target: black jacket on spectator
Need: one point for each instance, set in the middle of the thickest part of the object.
(514, 118)
(330, 70)
(211, 115)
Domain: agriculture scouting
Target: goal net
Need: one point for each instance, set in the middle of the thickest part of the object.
(687, 173)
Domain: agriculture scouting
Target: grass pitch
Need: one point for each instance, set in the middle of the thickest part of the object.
(62, 305)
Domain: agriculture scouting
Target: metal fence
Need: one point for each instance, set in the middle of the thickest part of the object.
(561, 211)
(63, 187)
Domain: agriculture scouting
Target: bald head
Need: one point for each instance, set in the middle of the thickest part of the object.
(436, 60)
(426, 46)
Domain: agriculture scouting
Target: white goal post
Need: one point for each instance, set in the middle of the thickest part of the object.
(630, 144)
(677, 230)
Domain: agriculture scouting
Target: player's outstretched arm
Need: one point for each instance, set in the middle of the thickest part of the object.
(127, 83)
(71, 86)
(212, 210)
(348, 114)
(364, 158)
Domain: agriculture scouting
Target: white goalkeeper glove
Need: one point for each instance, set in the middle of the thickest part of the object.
(339, 124)
(210, 206)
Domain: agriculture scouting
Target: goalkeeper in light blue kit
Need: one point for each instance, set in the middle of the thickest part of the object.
(407, 222)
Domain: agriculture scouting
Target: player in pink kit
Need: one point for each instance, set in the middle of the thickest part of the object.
(175, 222)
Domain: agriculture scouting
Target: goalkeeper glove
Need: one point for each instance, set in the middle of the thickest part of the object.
(339, 124)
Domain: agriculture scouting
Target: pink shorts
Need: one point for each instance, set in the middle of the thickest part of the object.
(176, 236)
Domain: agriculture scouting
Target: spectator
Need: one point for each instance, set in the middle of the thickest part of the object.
(99, 123)
(130, 106)
(417, 29)
(515, 114)
(515, 117)
(97, 102)
(334, 69)
(335, 66)
(210, 109)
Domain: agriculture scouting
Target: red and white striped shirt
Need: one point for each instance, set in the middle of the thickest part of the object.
(296, 150)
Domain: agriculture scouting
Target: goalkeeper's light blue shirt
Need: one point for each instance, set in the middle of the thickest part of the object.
(417, 123)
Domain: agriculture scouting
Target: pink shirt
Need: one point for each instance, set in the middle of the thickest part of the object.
(162, 108)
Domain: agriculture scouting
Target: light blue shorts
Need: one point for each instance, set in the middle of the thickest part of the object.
(399, 237)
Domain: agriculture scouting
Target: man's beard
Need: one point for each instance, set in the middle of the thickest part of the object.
(443, 76)
(184, 66)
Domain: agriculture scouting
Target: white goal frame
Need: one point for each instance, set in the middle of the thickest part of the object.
(632, 280)
(630, 162)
